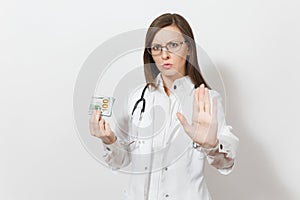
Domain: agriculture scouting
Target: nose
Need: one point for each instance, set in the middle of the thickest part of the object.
(165, 53)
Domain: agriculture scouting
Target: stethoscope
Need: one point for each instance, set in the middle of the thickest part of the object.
(142, 99)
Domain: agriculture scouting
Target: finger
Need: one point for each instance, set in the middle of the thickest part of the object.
(92, 115)
(183, 121)
(98, 115)
(108, 127)
(101, 126)
(92, 130)
(92, 124)
(215, 108)
(201, 98)
(104, 125)
(195, 101)
(106, 132)
(206, 100)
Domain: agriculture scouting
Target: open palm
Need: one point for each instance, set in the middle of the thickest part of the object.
(204, 127)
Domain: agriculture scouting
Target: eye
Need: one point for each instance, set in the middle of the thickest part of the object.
(173, 44)
(156, 47)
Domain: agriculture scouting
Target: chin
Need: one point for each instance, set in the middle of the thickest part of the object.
(171, 73)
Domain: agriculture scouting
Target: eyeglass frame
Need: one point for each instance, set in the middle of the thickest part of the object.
(165, 46)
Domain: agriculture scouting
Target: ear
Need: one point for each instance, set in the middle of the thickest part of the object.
(188, 46)
(188, 54)
(188, 51)
(188, 57)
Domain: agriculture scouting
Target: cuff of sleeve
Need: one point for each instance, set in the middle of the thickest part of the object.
(226, 171)
(108, 148)
(208, 151)
(228, 146)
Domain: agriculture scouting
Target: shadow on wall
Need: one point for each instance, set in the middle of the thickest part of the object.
(253, 178)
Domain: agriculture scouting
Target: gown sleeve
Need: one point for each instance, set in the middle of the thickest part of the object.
(117, 155)
(228, 142)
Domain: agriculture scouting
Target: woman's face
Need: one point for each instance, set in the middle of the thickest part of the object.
(170, 64)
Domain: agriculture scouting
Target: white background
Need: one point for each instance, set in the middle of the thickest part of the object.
(43, 44)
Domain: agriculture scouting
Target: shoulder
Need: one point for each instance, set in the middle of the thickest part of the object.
(213, 93)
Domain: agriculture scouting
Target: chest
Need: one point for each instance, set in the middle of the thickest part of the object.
(160, 135)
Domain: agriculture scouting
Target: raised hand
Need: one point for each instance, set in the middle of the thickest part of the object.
(204, 127)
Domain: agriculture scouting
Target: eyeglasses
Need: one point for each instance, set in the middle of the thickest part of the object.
(172, 47)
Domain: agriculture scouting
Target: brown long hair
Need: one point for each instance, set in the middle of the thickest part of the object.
(191, 67)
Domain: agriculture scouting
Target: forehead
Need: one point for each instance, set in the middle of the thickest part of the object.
(167, 34)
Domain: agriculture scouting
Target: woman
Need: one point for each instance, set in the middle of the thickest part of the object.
(194, 114)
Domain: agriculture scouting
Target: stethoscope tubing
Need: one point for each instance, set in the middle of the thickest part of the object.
(142, 99)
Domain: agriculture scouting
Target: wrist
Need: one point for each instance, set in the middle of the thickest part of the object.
(208, 145)
(213, 145)
(208, 149)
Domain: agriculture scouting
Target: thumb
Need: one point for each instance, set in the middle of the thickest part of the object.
(182, 120)
(108, 128)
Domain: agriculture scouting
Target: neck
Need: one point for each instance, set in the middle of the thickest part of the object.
(168, 82)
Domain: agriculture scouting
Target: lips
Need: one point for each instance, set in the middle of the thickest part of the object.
(167, 65)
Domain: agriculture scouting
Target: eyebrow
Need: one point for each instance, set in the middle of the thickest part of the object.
(177, 39)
